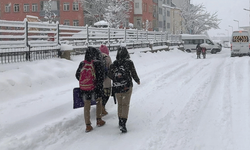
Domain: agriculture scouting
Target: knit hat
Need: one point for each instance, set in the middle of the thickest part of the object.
(104, 49)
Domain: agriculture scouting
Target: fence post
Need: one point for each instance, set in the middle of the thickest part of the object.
(27, 40)
(125, 36)
(87, 28)
(59, 53)
(137, 36)
(109, 36)
(58, 32)
(161, 38)
(166, 37)
(155, 36)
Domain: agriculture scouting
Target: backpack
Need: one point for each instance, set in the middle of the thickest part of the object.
(121, 81)
(87, 76)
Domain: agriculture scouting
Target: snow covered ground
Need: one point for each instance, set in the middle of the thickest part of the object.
(182, 104)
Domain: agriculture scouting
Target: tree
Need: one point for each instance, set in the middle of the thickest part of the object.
(49, 15)
(196, 20)
(94, 9)
(117, 13)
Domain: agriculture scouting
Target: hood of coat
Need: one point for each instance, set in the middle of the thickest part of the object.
(122, 54)
(92, 54)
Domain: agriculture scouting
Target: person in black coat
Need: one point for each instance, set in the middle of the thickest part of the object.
(95, 55)
(198, 50)
(123, 96)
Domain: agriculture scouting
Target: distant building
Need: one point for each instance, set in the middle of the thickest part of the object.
(144, 10)
(67, 12)
(158, 15)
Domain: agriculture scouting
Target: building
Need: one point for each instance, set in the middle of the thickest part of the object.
(166, 24)
(158, 15)
(66, 12)
(162, 15)
(144, 14)
(177, 21)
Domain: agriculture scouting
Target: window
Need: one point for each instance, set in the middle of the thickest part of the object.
(168, 13)
(160, 10)
(168, 2)
(136, 5)
(26, 7)
(193, 41)
(47, 4)
(168, 25)
(7, 8)
(75, 6)
(75, 22)
(34, 8)
(160, 24)
(16, 7)
(211, 43)
(66, 6)
(66, 22)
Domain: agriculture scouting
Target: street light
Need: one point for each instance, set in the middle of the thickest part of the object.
(232, 28)
(238, 24)
(228, 34)
(249, 13)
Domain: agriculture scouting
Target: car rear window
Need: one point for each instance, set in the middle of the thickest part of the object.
(240, 38)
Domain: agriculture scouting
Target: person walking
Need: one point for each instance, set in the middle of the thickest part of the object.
(122, 70)
(107, 81)
(204, 52)
(91, 85)
(198, 51)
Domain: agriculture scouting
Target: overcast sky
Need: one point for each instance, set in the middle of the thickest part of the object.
(227, 10)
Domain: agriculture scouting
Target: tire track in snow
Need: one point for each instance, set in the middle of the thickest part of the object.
(175, 134)
(239, 86)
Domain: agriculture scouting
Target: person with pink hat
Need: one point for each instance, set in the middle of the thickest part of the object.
(107, 81)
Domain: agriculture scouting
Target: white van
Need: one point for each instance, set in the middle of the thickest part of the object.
(191, 40)
(240, 43)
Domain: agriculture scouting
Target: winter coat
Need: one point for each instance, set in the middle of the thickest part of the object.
(93, 54)
(123, 57)
(203, 50)
(107, 80)
(198, 49)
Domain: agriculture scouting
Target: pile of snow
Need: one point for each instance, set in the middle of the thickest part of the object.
(101, 23)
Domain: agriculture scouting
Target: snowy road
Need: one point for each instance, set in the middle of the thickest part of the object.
(182, 104)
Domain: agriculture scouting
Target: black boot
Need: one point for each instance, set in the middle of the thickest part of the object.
(120, 122)
(123, 125)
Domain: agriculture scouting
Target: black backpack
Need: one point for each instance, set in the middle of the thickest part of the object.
(121, 81)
